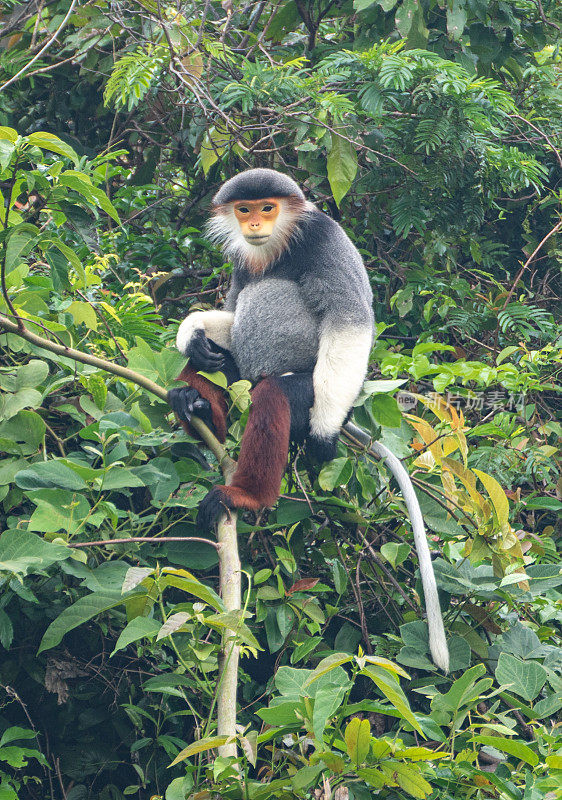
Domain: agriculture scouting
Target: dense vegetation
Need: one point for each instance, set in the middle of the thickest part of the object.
(432, 132)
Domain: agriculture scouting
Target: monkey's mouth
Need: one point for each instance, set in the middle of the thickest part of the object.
(257, 240)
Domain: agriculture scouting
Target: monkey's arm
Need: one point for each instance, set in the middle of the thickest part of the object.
(340, 370)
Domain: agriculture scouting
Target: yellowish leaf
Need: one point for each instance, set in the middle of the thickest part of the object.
(497, 496)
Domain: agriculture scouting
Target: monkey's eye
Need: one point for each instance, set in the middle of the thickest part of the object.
(268, 208)
(243, 210)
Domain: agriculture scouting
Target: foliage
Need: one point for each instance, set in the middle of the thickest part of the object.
(432, 133)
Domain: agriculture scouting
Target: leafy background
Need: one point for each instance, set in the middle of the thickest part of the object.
(432, 132)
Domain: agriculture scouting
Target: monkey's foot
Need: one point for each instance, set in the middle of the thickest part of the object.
(187, 402)
(212, 507)
(322, 448)
(222, 499)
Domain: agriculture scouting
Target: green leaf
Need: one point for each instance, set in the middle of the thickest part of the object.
(511, 746)
(456, 20)
(497, 495)
(83, 610)
(48, 141)
(137, 628)
(386, 411)
(31, 374)
(201, 746)
(525, 678)
(18, 246)
(59, 270)
(22, 552)
(7, 150)
(163, 366)
(78, 182)
(22, 434)
(6, 630)
(409, 778)
(49, 475)
(15, 733)
(12, 404)
(395, 553)
(357, 740)
(8, 133)
(390, 688)
(58, 509)
(342, 167)
(335, 473)
(83, 314)
(404, 16)
(182, 579)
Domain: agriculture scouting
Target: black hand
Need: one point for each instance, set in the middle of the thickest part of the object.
(322, 448)
(201, 355)
(187, 402)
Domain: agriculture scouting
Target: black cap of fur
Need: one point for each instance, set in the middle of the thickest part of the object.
(254, 184)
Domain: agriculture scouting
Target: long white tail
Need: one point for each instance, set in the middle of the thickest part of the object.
(437, 639)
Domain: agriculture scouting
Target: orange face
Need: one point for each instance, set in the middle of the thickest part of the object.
(257, 218)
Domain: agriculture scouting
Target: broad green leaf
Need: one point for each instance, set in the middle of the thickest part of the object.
(137, 628)
(22, 552)
(395, 553)
(404, 16)
(327, 665)
(7, 150)
(162, 367)
(15, 733)
(8, 133)
(18, 246)
(22, 434)
(456, 20)
(335, 473)
(290, 681)
(194, 587)
(59, 270)
(386, 411)
(6, 630)
(12, 404)
(83, 313)
(357, 740)
(390, 688)
(49, 475)
(58, 509)
(83, 610)
(525, 678)
(31, 374)
(48, 141)
(326, 702)
(409, 778)
(342, 166)
(201, 746)
(511, 746)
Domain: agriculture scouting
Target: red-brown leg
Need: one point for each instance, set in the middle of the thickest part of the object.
(211, 392)
(262, 460)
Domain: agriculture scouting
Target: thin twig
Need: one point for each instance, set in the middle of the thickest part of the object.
(145, 539)
(528, 261)
(43, 49)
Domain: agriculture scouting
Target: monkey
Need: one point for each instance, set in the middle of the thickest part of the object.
(297, 322)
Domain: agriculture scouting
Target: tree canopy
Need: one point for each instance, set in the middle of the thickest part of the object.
(431, 131)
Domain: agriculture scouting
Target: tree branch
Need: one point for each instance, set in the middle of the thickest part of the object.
(227, 544)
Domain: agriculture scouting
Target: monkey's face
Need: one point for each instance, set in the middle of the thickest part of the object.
(257, 219)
